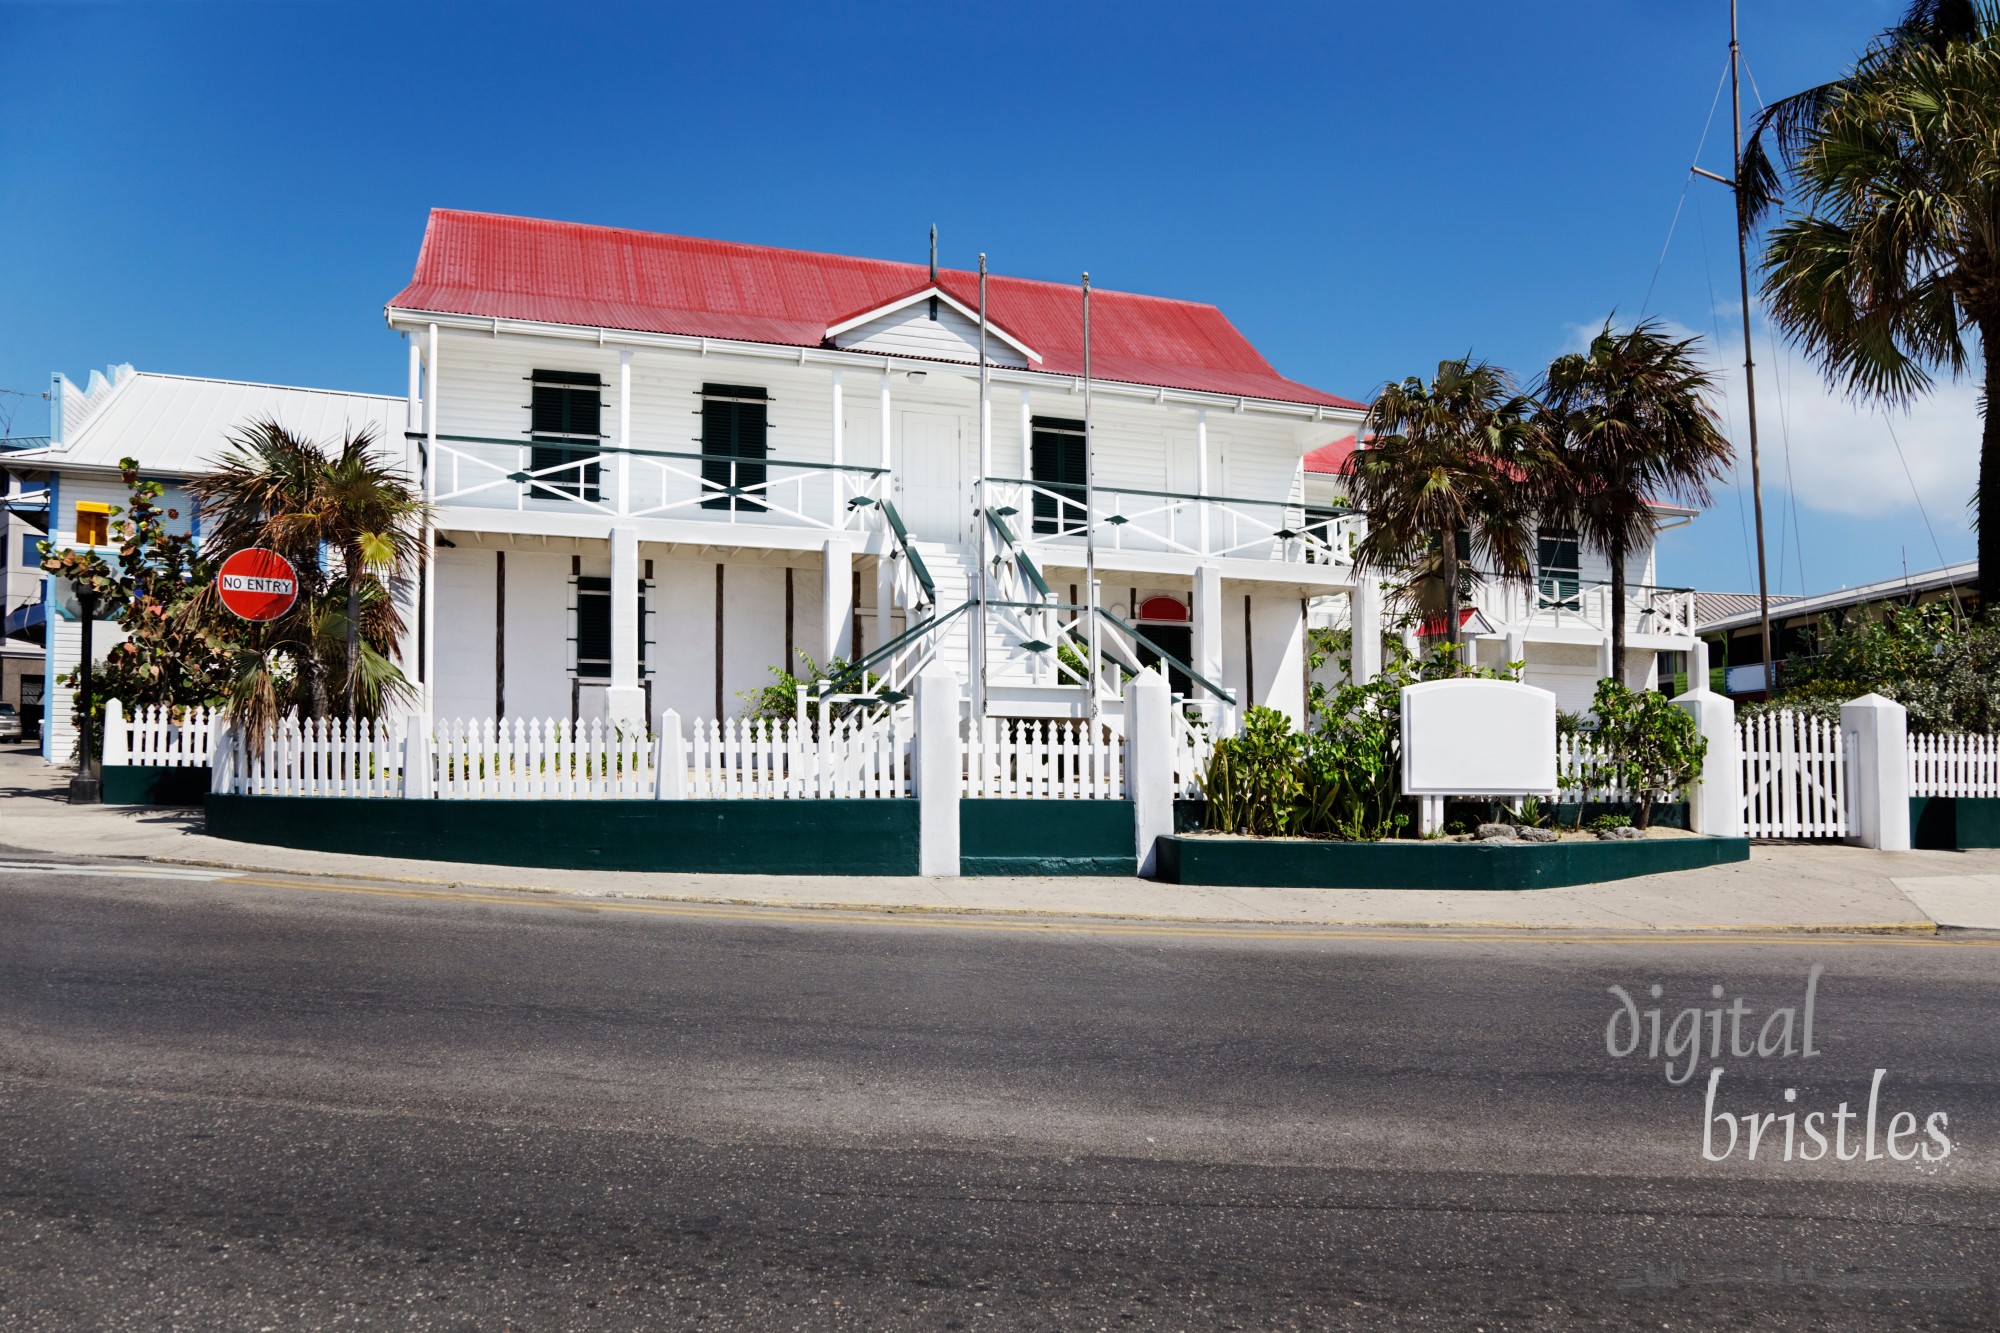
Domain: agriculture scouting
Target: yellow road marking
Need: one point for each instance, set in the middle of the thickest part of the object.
(927, 920)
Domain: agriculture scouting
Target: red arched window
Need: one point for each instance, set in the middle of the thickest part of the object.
(1158, 609)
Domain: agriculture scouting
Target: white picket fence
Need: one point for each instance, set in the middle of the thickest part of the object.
(157, 735)
(319, 757)
(518, 759)
(1794, 776)
(855, 757)
(1584, 770)
(1194, 743)
(1045, 758)
(1954, 764)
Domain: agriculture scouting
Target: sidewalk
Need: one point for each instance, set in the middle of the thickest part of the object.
(1781, 888)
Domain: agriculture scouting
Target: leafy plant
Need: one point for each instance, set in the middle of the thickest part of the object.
(1530, 813)
(1606, 823)
(1655, 746)
(1252, 779)
(788, 692)
(1943, 668)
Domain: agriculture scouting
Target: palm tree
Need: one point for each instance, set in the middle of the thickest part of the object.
(278, 490)
(1450, 461)
(1894, 257)
(1628, 423)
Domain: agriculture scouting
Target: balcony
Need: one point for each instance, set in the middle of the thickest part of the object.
(1573, 608)
(1176, 523)
(524, 476)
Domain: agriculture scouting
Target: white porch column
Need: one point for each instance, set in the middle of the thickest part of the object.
(1365, 622)
(937, 775)
(427, 664)
(625, 701)
(1604, 663)
(888, 426)
(837, 599)
(1517, 651)
(624, 431)
(1208, 618)
(839, 488)
(1715, 800)
(1027, 452)
(1149, 768)
(1201, 478)
(1877, 733)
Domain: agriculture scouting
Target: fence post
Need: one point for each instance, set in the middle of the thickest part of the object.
(1149, 763)
(670, 760)
(221, 755)
(937, 775)
(1877, 731)
(417, 758)
(1715, 799)
(117, 745)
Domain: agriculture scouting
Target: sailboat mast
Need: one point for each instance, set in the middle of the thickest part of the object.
(1089, 513)
(1749, 360)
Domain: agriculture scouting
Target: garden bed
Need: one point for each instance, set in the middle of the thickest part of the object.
(1306, 863)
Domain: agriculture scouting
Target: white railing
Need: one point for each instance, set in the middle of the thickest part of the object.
(1794, 778)
(641, 483)
(320, 757)
(1547, 603)
(1194, 743)
(853, 757)
(1045, 758)
(157, 735)
(1197, 525)
(1954, 764)
(1586, 770)
(540, 759)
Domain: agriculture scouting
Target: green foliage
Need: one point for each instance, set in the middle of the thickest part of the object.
(1606, 823)
(1656, 749)
(172, 654)
(1252, 781)
(787, 692)
(1945, 670)
(1530, 813)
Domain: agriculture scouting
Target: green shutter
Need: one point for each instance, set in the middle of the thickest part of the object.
(1056, 457)
(560, 419)
(735, 422)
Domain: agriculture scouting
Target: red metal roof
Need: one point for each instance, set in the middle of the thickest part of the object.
(1331, 459)
(488, 265)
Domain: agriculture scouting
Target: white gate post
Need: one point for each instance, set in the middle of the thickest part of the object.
(221, 754)
(670, 760)
(1877, 731)
(115, 746)
(1149, 763)
(937, 777)
(1715, 799)
(417, 758)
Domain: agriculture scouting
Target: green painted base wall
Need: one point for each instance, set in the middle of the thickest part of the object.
(1953, 823)
(1301, 864)
(144, 784)
(1001, 837)
(735, 837)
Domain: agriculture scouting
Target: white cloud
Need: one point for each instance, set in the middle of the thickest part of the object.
(1843, 458)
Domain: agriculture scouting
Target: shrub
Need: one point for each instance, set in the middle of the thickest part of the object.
(1606, 823)
(1656, 749)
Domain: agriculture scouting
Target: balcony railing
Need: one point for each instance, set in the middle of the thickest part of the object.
(483, 473)
(1207, 526)
(1566, 603)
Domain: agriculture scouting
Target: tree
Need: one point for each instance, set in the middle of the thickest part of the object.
(1628, 423)
(1894, 256)
(280, 491)
(1449, 461)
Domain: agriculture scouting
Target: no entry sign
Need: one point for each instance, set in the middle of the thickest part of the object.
(257, 584)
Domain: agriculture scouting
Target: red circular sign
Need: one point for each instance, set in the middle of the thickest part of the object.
(258, 584)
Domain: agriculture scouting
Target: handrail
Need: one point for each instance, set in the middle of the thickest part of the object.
(1064, 490)
(605, 447)
(1021, 558)
(889, 649)
(917, 565)
(1166, 656)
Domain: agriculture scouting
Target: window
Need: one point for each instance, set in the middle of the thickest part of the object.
(1319, 531)
(564, 417)
(93, 524)
(593, 628)
(1559, 570)
(1166, 622)
(735, 421)
(1056, 456)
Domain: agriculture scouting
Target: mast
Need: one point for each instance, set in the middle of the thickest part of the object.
(1749, 360)
(1089, 515)
(985, 467)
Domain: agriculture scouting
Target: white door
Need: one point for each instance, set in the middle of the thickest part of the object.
(929, 492)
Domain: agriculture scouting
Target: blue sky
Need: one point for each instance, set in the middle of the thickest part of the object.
(236, 189)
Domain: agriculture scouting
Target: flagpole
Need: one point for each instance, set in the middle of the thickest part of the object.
(1089, 514)
(1749, 373)
(985, 468)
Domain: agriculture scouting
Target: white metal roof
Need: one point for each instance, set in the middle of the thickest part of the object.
(182, 424)
(1965, 575)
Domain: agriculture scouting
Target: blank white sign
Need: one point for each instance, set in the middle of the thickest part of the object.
(1478, 738)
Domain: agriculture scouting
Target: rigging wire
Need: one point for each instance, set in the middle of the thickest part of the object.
(1686, 185)
(1914, 494)
(1728, 407)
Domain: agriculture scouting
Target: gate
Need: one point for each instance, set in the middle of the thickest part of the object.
(1794, 776)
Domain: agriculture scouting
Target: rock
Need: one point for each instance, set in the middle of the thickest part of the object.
(1536, 834)
(1490, 832)
(1627, 834)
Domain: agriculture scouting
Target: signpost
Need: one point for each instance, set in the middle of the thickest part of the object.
(79, 602)
(257, 584)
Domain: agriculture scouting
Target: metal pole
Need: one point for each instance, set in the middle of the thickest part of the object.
(1749, 372)
(1089, 514)
(84, 788)
(985, 467)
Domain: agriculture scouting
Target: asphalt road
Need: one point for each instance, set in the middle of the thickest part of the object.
(270, 1105)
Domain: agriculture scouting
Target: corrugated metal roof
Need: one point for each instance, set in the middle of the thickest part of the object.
(488, 265)
(1960, 576)
(1330, 460)
(179, 424)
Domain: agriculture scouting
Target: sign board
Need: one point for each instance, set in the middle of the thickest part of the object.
(1478, 738)
(257, 584)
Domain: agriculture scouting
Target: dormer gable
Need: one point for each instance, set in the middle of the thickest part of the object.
(931, 324)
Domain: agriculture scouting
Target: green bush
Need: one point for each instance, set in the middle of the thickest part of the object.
(1943, 668)
(1656, 749)
(1606, 823)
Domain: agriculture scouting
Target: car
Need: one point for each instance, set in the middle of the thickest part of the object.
(10, 723)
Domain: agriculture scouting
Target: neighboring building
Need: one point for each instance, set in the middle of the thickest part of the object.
(23, 518)
(1732, 625)
(1559, 621)
(176, 426)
